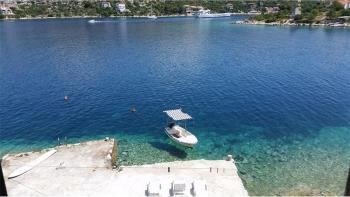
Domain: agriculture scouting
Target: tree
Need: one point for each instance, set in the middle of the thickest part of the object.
(337, 6)
(19, 13)
(1, 16)
(105, 12)
(88, 4)
(298, 17)
(345, 12)
(331, 14)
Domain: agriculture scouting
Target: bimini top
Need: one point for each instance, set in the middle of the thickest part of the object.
(177, 114)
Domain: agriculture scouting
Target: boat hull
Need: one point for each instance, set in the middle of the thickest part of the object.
(214, 15)
(186, 144)
(152, 17)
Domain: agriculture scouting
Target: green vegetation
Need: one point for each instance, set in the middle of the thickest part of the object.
(219, 6)
(89, 8)
(57, 9)
(311, 12)
(337, 10)
(2, 16)
(283, 14)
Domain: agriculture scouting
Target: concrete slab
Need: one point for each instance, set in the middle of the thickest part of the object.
(85, 169)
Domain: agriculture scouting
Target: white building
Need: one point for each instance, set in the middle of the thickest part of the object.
(347, 5)
(271, 10)
(297, 9)
(6, 11)
(229, 6)
(106, 4)
(121, 7)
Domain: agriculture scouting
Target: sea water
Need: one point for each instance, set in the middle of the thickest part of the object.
(276, 98)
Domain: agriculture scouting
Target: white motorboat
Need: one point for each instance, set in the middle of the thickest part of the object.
(177, 133)
(152, 17)
(92, 21)
(336, 25)
(206, 14)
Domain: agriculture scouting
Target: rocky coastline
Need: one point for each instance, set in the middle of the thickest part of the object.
(291, 23)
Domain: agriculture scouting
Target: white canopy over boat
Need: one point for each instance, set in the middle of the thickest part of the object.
(177, 114)
(177, 133)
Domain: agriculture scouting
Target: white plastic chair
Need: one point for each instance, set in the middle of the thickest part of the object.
(178, 189)
(154, 190)
(199, 188)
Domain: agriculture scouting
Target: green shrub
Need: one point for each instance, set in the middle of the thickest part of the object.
(345, 12)
(337, 6)
(298, 17)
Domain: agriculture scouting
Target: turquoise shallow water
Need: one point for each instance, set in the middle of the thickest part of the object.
(277, 98)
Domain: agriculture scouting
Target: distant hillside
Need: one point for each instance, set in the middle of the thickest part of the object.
(311, 12)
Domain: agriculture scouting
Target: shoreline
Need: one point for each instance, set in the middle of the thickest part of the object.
(87, 17)
(82, 168)
(94, 17)
(323, 25)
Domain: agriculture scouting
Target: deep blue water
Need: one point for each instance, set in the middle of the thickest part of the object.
(252, 90)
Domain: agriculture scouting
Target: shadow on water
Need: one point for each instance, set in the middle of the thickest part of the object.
(171, 149)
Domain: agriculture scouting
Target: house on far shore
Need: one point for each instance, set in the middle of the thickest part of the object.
(189, 11)
(121, 7)
(105, 4)
(6, 11)
(296, 10)
(252, 7)
(8, 4)
(346, 3)
(272, 10)
(229, 6)
(192, 10)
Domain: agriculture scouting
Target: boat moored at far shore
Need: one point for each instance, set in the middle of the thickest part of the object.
(207, 14)
(152, 17)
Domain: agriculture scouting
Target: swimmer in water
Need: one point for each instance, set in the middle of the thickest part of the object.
(133, 109)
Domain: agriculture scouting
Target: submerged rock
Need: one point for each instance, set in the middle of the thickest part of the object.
(242, 172)
(238, 158)
(283, 159)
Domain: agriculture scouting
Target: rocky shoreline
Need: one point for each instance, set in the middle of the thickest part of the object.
(289, 23)
(94, 17)
(87, 17)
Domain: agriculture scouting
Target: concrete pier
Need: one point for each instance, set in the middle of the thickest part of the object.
(86, 169)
